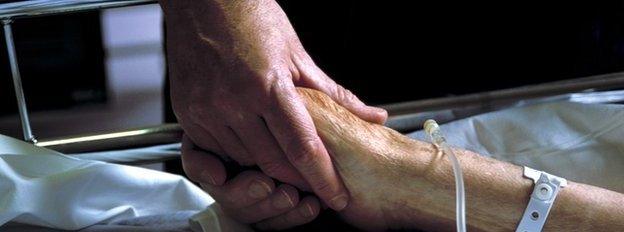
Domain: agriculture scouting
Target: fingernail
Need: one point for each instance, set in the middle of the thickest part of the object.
(380, 111)
(306, 211)
(339, 202)
(283, 201)
(259, 190)
(207, 178)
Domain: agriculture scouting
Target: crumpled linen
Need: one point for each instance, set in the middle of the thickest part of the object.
(581, 142)
(45, 188)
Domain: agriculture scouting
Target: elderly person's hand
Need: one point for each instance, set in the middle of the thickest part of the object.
(251, 196)
(396, 182)
(234, 66)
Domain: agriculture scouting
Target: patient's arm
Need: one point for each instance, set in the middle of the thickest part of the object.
(397, 182)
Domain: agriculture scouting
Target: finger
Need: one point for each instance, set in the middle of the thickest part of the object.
(307, 210)
(294, 130)
(201, 166)
(321, 82)
(232, 145)
(266, 152)
(283, 199)
(202, 138)
(244, 190)
(347, 99)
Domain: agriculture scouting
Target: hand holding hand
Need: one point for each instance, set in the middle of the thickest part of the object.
(251, 196)
(234, 66)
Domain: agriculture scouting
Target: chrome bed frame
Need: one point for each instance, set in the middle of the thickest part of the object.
(404, 117)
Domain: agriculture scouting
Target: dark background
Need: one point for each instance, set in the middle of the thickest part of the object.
(61, 60)
(386, 50)
(383, 51)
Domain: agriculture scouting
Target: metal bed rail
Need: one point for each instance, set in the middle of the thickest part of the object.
(404, 117)
(132, 138)
(31, 8)
(409, 116)
(599, 82)
(35, 8)
(401, 118)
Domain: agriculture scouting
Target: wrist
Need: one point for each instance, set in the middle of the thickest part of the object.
(432, 204)
(423, 189)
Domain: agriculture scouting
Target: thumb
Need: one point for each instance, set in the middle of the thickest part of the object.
(351, 102)
(344, 97)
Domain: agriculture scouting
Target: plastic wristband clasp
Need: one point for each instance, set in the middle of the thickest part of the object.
(544, 193)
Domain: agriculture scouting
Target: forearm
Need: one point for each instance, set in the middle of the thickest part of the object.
(497, 195)
(225, 33)
(189, 19)
(400, 183)
(218, 16)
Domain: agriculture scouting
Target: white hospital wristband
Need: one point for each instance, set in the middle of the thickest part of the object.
(544, 193)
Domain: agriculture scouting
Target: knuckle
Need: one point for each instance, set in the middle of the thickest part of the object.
(323, 187)
(303, 152)
(268, 76)
(279, 86)
(274, 169)
(345, 95)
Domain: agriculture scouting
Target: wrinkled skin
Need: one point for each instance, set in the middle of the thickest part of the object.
(366, 156)
(369, 159)
(233, 90)
(399, 183)
(234, 66)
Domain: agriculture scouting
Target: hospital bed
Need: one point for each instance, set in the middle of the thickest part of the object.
(159, 143)
(404, 117)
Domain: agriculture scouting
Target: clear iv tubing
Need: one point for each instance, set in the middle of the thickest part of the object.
(432, 128)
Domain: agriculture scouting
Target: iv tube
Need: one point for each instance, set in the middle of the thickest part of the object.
(433, 130)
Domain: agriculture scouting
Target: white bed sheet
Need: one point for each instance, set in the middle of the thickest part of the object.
(45, 188)
(581, 142)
